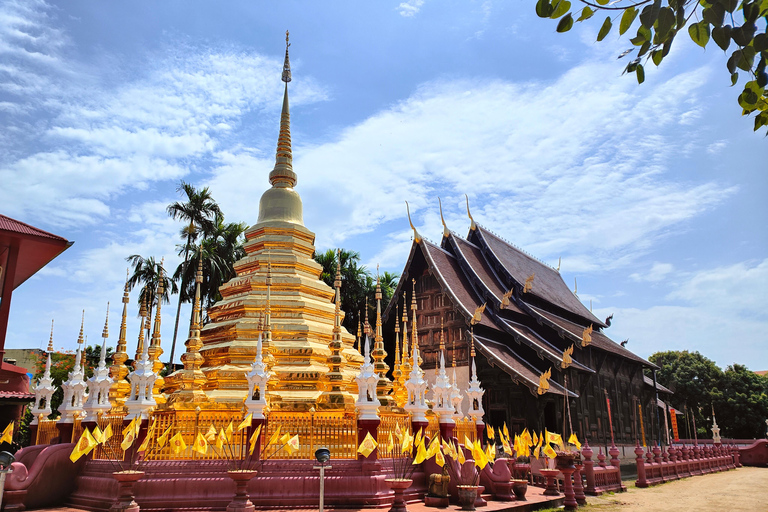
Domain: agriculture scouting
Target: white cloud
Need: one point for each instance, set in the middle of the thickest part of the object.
(719, 312)
(410, 8)
(657, 272)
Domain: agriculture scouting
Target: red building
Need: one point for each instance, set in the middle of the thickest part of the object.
(24, 250)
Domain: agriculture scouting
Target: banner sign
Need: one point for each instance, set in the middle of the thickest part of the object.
(675, 433)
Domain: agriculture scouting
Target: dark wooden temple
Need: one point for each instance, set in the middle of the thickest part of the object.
(521, 335)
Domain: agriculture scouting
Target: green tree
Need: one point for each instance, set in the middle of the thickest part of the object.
(220, 249)
(731, 24)
(693, 378)
(741, 403)
(357, 284)
(148, 273)
(201, 214)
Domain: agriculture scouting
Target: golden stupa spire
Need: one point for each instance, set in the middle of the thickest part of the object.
(359, 332)
(405, 362)
(118, 392)
(155, 350)
(187, 384)
(414, 327)
(335, 396)
(366, 324)
(384, 386)
(442, 335)
(282, 176)
(50, 340)
(397, 338)
(398, 391)
(143, 327)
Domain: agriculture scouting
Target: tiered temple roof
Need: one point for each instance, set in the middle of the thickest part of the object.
(531, 315)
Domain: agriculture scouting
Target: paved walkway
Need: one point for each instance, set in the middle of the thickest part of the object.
(744, 489)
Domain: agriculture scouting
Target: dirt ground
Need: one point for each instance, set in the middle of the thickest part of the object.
(743, 489)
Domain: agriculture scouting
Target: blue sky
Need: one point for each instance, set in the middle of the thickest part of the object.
(653, 195)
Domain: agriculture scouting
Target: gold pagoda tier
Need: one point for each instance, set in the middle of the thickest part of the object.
(300, 318)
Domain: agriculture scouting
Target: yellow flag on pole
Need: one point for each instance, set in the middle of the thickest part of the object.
(292, 446)
(434, 446)
(98, 435)
(128, 438)
(285, 438)
(491, 433)
(230, 430)
(84, 445)
(398, 432)
(549, 452)
(367, 446)
(200, 445)
(254, 439)
(439, 458)
(107, 432)
(177, 443)
(7, 436)
(506, 431)
(275, 436)
(407, 445)
(164, 438)
(505, 445)
(221, 439)
(245, 423)
(150, 433)
(421, 453)
(468, 443)
(461, 458)
(575, 441)
(129, 427)
(210, 436)
(480, 459)
(419, 437)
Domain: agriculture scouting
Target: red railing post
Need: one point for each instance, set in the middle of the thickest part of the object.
(640, 461)
(589, 471)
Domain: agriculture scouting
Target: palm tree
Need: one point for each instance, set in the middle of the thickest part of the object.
(200, 213)
(220, 250)
(357, 284)
(147, 272)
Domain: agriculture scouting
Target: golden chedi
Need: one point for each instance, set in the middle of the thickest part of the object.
(300, 314)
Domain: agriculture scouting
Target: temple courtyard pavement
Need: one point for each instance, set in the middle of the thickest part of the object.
(743, 489)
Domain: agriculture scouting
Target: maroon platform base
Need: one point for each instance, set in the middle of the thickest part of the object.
(204, 485)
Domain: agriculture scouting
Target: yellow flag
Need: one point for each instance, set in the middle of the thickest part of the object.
(98, 435)
(275, 436)
(368, 445)
(491, 433)
(421, 453)
(535, 439)
(150, 432)
(285, 438)
(434, 446)
(230, 430)
(177, 443)
(390, 444)
(292, 446)
(398, 432)
(129, 427)
(462, 459)
(480, 459)
(107, 432)
(419, 437)
(245, 423)
(447, 449)
(200, 445)
(490, 451)
(407, 445)
(507, 448)
(554, 438)
(549, 452)
(254, 439)
(128, 438)
(574, 441)
(468, 443)
(506, 432)
(526, 436)
(210, 436)
(84, 445)
(7, 436)
(164, 438)
(439, 459)
(221, 439)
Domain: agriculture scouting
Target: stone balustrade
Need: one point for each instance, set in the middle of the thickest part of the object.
(655, 466)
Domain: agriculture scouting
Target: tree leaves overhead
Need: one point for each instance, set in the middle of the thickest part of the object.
(742, 23)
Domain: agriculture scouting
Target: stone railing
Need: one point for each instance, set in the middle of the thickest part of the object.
(656, 466)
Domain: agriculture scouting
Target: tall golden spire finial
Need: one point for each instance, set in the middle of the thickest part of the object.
(282, 176)
(118, 391)
(105, 332)
(366, 324)
(50, 340)
(142, 328)
(442, 334)
(472, 226)
(446, 232)
(416, 235)
(80, 336)
(406, 351)
(359, 339)
(378, 354)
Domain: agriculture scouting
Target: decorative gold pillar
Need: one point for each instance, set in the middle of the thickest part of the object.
(384, 386)
(119, 390)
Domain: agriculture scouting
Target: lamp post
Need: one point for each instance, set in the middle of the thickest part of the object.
(6, 459)
(323, 455)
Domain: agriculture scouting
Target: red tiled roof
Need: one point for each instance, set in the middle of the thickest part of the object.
(15, 226)
(547, 284)
(16, 395)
